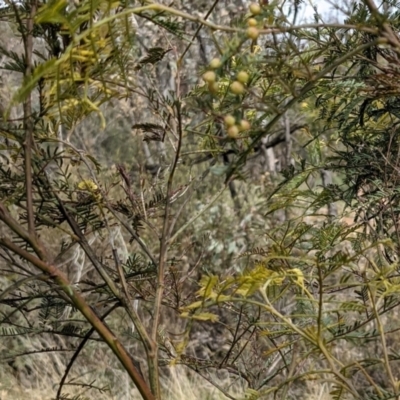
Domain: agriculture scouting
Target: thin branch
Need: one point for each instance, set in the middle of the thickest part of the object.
(28, 121)
(79, 349)
(381, 331)
(127, 303)
(164, 240)
(288, 139)
(197, 32)
(21, 282)
(197, 215)
(88, 250)
(26, 353)
(21, 232)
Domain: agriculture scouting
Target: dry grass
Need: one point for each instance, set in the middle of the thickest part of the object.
(181, 385)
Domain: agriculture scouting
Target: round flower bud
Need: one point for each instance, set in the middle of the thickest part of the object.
(252, 32)
(233, 132)
(215, 63)
(229, 120)
(255, 8)
(242, 77)
(209, 76)
(244, 125)
(237, 88)
(252, 22)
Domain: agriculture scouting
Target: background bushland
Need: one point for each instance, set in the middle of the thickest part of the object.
(199, 200)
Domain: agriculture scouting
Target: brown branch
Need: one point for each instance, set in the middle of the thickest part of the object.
(148, 343)
(79, 302)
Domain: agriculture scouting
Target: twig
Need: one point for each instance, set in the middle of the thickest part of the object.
(165, 240)
(28, 122)
(22, 282)
(196, 33)
(79, 349)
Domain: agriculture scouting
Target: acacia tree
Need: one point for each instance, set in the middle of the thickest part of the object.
(83, 241)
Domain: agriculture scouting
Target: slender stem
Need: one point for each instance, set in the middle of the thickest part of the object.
(320, 301)
(381, 331)
(21, 282)
(369, 379)
(308, 337)
(197, 215)
(22, 233)
(197, 32)
(164, 240)
(148, 343)
(28, 121)
(78, 351)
